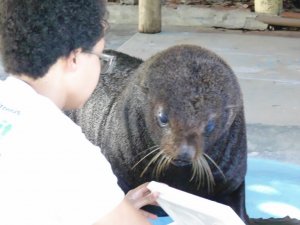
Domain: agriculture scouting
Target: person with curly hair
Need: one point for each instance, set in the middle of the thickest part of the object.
(50, 173)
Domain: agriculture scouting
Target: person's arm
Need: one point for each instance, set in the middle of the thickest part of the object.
(124, 214)
(128, 212)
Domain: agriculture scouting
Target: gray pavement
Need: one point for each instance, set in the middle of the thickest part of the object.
(268, 68)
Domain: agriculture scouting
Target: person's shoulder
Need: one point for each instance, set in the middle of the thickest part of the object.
(36, 119)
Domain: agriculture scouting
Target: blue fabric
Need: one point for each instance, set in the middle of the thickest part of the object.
(162, 221)
(272, 190)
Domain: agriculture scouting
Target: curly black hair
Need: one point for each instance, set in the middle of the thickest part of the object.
(36, 33)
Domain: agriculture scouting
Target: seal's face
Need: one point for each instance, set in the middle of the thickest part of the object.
(193, 96)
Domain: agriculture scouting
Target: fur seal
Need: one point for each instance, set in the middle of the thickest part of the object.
(176, 118)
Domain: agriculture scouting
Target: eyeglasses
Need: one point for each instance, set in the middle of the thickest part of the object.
(107, 62)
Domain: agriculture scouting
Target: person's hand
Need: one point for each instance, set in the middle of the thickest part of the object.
(123, 214)
(141, 196)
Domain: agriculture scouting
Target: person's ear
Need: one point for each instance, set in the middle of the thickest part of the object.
(72, 59)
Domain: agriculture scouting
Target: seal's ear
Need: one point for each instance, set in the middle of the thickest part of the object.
(144, 89)
(233, 110)
(141, 91)
(143, 86)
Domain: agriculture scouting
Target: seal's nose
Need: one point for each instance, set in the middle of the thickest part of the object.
(186, 152)
(185, 155)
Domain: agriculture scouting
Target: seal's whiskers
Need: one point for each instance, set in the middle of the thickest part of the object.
(197, 171)
(161, 166)
(201, 170)
(209, 176)
(215, 164)
(155, 157)
(156, 148)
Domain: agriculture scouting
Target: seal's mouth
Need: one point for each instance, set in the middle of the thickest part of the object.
(180, 163)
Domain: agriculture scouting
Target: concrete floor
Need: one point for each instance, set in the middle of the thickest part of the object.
(267, 65)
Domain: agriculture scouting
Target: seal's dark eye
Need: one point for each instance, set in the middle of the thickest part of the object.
(163, 119)
(209, 127)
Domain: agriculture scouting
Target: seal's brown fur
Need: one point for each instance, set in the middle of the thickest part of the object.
(178, 118)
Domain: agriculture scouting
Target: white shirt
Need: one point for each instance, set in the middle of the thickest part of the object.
(50, 174)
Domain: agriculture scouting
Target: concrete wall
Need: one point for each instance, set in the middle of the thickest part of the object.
(131, 2)
(186, 15)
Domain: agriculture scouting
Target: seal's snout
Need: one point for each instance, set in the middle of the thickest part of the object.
(187, 152)
(185, 155)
